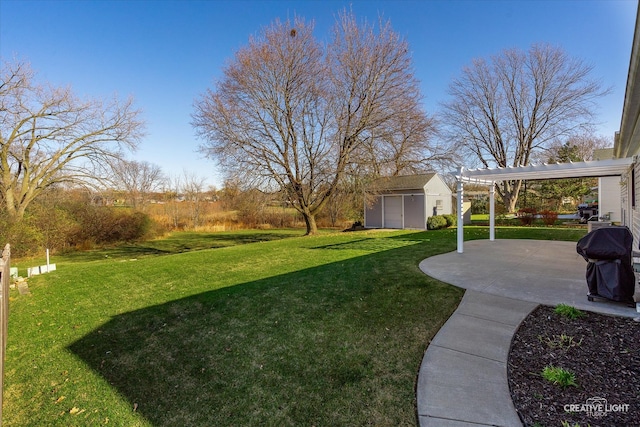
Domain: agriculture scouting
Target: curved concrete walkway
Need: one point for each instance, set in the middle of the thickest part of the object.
(463, 376)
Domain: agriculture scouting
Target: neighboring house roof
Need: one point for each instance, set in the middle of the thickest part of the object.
(603, 154)
(407, 182)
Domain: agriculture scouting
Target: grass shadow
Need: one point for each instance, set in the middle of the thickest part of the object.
(327, 345)
(178, 243)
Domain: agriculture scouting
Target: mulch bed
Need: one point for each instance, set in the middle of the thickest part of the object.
(602, 351)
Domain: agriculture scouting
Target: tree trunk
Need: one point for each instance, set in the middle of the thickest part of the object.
(510, 192)
(510, 202)
(310, 221)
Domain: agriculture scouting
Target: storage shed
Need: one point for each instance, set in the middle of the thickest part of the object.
(406, 201)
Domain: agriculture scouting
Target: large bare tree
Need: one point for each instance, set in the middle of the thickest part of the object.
(138, 178)
(506, 108)
(582, 146)
(50, 136)
(409, 146)
(292, 111)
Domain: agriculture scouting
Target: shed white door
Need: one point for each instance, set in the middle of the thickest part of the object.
(393, 211)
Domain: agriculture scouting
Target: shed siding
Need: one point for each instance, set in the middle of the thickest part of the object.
(406, 202)
(437, 186)
(414, 211)
(393, 212)
(373, 214)
(439, 201)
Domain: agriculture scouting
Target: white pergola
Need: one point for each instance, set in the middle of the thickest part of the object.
(489, 176)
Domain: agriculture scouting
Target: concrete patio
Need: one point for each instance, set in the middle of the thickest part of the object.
(463, 376)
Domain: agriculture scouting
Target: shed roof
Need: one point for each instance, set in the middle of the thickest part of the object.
(406, 182)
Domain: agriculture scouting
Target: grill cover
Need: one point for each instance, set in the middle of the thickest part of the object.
(610, 273)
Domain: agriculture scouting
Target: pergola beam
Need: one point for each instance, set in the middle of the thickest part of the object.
(489, 176)
(592, 168)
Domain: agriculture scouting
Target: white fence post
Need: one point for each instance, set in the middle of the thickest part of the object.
(5, 277)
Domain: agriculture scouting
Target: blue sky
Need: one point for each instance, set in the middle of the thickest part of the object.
(166, 53)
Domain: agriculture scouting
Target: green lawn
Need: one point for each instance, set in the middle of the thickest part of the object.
(267, 328)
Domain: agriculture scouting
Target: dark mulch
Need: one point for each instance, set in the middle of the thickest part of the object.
(604, 355)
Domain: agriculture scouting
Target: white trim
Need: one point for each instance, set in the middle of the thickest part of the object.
(460, 199)
(592, 168)
(383, 210)
(364, 204)
(492, 212)
(402, 210)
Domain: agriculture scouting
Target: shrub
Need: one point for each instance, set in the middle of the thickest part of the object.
(24, 238)
(106, 225)
(451, 220)
(527, 215)
(548, 217)
(436, 222)
(54, 223)
(480, 206)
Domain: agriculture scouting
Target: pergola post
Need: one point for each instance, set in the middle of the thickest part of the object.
(489, 176)
(459, 198)
(492, 211)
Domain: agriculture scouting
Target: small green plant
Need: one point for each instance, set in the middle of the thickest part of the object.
(568, 311)
(561, 341)
(559, 376)
(568, 424)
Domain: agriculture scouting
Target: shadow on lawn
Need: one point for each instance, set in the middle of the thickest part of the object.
(327, 345)
(184, 242)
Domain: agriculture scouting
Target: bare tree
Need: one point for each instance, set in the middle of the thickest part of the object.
(582, 146)
(407, 146)
(193, 191)
(171, 193)
(504, 110)
(49, 136)
(138, 179)
(292, 112)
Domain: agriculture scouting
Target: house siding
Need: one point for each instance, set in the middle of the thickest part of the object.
(633, 210)
(631, 213)
(624, 200)
(609, 198)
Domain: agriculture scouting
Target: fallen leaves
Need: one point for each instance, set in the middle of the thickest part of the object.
(76, 411)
